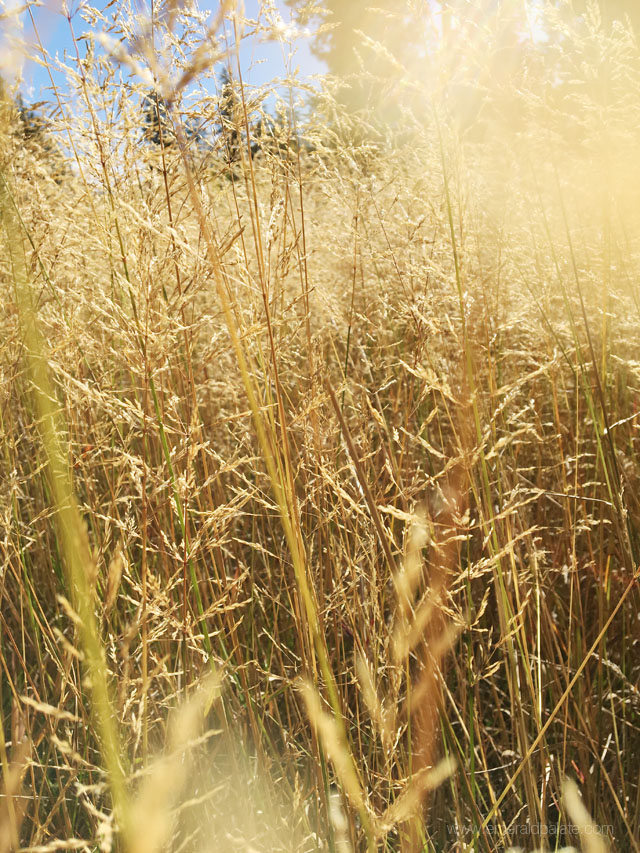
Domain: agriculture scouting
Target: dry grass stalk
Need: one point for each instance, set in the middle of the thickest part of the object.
(352, 398)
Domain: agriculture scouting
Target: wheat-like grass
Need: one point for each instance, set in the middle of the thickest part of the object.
(319, 507)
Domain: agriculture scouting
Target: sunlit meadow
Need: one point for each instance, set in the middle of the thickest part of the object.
(319, 409)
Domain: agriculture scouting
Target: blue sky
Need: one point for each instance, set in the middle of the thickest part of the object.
(262, 60)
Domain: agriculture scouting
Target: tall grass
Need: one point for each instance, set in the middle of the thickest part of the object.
(324, 451)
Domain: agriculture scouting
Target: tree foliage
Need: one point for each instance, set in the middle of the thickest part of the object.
(372, 36)
(159, 131)
(31, 135)
(157, 126)
(360, 35)
(229, 116)
(610, 10)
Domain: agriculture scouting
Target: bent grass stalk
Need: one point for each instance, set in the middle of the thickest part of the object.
(72, 531)
(265, 433)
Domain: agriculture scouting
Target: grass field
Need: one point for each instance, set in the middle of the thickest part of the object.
(319, 506)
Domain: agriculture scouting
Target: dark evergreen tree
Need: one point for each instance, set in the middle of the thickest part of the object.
(229, 111)
(33, 130)
(159, 130)
(157, 126)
